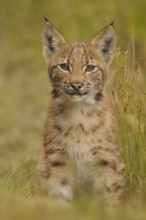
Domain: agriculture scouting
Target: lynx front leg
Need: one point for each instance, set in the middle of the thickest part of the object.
(57, 178)
(109, 178)
(114, 183)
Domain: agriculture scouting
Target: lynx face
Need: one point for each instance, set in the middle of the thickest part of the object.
(78, 70)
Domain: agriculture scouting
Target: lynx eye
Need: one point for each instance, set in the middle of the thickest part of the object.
(91, 68)
(64, 66)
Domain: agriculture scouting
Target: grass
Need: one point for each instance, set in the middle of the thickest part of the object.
(24, 97)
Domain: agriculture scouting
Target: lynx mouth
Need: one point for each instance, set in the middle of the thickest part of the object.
(76, 92)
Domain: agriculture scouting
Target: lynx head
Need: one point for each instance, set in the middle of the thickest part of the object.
(78, 70)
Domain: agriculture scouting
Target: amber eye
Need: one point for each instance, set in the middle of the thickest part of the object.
(90, 68)
(64, 66)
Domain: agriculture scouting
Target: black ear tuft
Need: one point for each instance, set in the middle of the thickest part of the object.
(45, 19)
(112, 23)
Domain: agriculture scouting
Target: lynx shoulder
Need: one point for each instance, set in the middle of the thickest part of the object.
(81, 135)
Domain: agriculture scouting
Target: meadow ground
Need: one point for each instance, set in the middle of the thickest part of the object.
(24, 97)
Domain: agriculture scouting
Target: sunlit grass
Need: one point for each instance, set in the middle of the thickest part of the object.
(130, 97)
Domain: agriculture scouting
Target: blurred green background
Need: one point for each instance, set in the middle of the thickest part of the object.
(24, 93)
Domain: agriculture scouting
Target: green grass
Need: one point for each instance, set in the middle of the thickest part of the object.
(24, 97)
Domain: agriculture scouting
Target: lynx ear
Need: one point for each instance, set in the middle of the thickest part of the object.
(104, 42)
(52, 40)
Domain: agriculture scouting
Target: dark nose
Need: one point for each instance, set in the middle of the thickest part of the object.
(76, 86)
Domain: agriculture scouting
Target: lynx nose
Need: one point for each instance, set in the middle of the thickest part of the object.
(76, 86)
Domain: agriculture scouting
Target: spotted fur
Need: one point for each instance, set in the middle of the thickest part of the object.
(81, 135)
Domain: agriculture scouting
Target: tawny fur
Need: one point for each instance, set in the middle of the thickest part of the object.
(81, 135)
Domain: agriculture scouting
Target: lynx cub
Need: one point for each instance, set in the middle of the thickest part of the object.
(81, 140)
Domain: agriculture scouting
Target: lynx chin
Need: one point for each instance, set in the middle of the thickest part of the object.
(81, 136)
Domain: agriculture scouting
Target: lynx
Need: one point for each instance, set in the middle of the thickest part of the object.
(81, 136)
